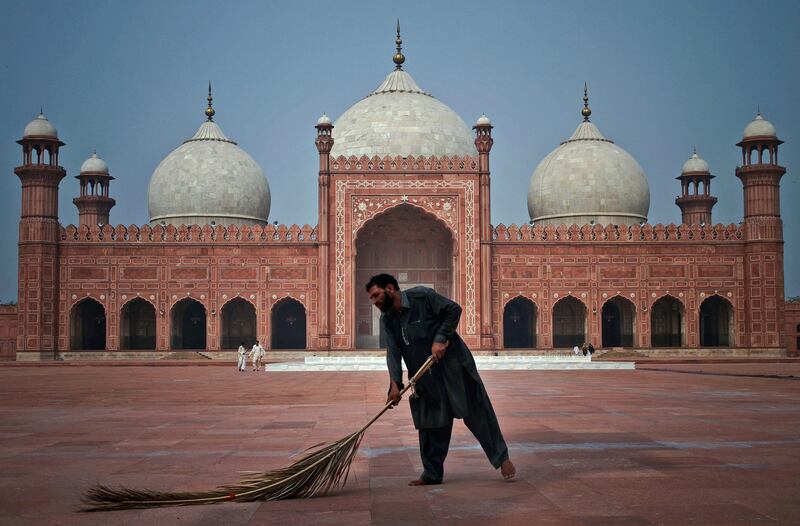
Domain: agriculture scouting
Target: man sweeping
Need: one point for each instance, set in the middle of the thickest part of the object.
(419, 323)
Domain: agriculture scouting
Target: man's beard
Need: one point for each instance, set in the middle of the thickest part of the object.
(388, 302)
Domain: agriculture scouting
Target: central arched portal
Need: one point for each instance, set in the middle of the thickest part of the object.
(410, 244)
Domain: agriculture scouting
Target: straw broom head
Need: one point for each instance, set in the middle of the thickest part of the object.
(318, 472)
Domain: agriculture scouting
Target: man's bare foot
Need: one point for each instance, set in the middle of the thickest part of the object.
(422, 482)
(508, 470)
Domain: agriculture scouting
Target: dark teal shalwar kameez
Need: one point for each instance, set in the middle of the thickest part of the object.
(452, 388)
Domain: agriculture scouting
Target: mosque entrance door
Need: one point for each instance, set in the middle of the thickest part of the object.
(666, 323)
(519, 324)
(88, 326)
(716, 322)
(413, 246)
(138, 325)
(238, 324)
(569, 322)
(188, 325)
(288, 325)
(618, 322)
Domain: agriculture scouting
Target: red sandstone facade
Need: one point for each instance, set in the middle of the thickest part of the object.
(689, 286)
(793, 328)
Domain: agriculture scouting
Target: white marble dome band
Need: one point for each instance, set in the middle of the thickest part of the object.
(208, 180)
(398, 118)
(588, 179)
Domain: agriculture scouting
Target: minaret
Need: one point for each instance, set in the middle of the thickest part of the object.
(695, 200)
(94, 203)
(483, 143)
(40, 176)
(324, 143)
(761, 174)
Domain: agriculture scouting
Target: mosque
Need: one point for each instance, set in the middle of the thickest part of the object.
(404, 187)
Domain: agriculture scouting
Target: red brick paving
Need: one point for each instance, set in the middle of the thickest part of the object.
(669, 444)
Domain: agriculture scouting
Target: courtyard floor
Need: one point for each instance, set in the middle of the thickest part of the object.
(665, 444)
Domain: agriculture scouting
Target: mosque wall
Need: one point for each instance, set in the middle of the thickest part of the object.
(792, 327)
(642, 264)
(164, 265)
(8, 332)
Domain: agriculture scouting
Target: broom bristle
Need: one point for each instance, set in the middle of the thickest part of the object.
(325, 468)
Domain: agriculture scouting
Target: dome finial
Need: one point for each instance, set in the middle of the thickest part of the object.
(586, 112)
(399, 58)
(210, 111)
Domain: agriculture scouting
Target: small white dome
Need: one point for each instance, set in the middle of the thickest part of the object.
(759, 127)
(588, 179)
(208, 179)
(94, 164)
(398, 118)
(483, 120)
(324, 119)
(40, 127)
(695, 164)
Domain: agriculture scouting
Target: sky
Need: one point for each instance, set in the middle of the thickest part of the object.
(129, 79)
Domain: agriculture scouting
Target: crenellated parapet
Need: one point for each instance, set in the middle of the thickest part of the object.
(409, 164)
(646, 232)
(189, 234)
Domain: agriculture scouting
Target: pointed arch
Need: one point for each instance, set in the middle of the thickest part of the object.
(618, 321)
(239, 323)
(288, 323)
(569, 322)
(667, 322)
(410, 243)
(137, 325)
(520, 316)
(716, 322)
(401, 205)
(87, 322)
(188, 324)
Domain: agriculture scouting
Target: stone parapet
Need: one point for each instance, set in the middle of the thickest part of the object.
(405, 165)
(189, 234)
(623, 233)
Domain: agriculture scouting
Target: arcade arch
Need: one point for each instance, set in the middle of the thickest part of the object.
(519, 324)
(87, 322)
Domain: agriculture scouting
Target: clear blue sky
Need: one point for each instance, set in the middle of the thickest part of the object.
(130, 79)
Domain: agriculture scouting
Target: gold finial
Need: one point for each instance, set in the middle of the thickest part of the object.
(586, 112)
(399, 58)
(210, 111)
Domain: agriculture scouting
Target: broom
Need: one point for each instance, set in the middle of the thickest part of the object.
(318, 472)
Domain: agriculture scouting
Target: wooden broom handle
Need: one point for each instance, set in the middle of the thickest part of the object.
(413, 380)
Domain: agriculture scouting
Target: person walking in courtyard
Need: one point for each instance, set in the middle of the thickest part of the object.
(419, 323)
(242, 357)
(576, 351)
(257, 353)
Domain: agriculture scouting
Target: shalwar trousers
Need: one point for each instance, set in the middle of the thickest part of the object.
(435, 442)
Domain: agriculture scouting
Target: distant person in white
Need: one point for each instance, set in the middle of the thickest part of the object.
(242, 357)
(257, 352)
(576, 351)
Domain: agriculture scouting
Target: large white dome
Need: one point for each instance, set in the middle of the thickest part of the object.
(208, 180)
(398, 118)
(588, 179)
